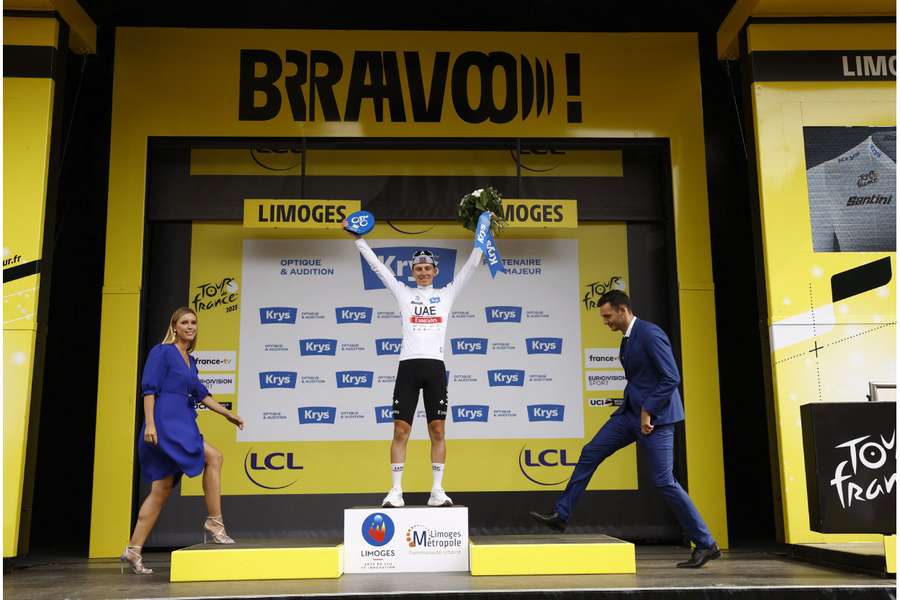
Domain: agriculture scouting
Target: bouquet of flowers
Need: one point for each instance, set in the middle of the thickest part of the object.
(475, 203)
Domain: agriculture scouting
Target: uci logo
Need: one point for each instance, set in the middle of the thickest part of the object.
(277, 379)
(398, 260)
(354, 379)
(384, 414)
(277, 314)
(543, 345)
(273, 467)
(472, 413)
(385, 346)
(469, 345)
(318, 347)
(503, 314)
(353, 314)
(506, 377)
(316, 414)
(545, 467)
(546, 412)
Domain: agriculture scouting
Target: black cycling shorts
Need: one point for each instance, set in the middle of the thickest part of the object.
(428, 375)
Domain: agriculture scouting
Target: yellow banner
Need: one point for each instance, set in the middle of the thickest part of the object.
(297, 214)
(541, 213)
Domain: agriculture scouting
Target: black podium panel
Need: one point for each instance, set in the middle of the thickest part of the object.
(851, 466)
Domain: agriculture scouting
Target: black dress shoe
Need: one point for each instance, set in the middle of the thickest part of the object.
(700, 557)
(552, 520)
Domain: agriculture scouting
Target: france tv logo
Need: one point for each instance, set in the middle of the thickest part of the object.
(546, 412)
(378, 529)
(353, 314)
(385, 346)
(503, 314)
(384, 414)
(354, 379)
(275, 315)
(315, 415)
(543, 345)
(398, 260)
(469, 345)
(318, 347)
(277, 379)
(506, 377)
(470, 413)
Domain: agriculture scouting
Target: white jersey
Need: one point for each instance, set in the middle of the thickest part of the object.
(851, 201)
(424, 310)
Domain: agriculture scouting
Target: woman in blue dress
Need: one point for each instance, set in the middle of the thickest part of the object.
(170, 443)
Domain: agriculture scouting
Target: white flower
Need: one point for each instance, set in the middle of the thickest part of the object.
(477, 193)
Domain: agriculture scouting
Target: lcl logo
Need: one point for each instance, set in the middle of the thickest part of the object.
(541, 466)
(273, 467)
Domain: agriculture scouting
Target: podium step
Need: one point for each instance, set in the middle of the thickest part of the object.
(259, 559)
(551, 554)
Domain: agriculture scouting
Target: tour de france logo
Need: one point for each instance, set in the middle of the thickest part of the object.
(378, 529)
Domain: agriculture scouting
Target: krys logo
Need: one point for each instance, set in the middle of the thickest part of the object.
(398, 260)
(354, 379)
(384, 414)
(503, 314)
(548, 466)
(272, 470)
(269, 315)
(314, 415)
(378, 529)
(494, 86)
(469, 345)
(596, 289)
(543, 345)
(385, 346)
(277, 379)
(317, 347)
(506, 377)
(546, 412)
(471, 413)
(353, 314)
(212, 295)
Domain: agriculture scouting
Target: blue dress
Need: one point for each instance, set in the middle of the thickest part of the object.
(176, 387)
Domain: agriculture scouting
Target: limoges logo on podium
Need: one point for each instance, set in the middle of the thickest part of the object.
(378, 529)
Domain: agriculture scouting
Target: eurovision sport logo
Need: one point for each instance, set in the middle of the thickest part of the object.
(378, 529)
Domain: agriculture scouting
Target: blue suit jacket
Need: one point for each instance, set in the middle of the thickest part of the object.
(652, 374)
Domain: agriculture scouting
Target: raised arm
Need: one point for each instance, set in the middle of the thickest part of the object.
(466, 272)
(384, 274)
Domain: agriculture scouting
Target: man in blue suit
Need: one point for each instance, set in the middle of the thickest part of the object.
(652, 407)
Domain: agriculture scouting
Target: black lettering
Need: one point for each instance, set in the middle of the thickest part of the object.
(329, 214)
(262, 215)
(557, 211)
(293, 84)
(303, 213)
(384, 78)
(534, 213)
(285, 213)
(317, 213)
(485, 63)
(521, 213)
(322, 85)
(430, 112)
(341, 214)
(250, 84)
(509, 213)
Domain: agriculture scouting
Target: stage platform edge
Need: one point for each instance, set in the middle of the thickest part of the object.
(551, 554)
(261, 559)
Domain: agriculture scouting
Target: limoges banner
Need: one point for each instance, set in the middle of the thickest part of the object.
(299, 336)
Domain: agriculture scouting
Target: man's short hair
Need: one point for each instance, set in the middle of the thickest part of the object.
(615, 298)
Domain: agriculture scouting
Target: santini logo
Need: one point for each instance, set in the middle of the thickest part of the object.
(398, 260)
(347, 379)
(384, 414)
(317, 347)
(277, 314)
(506, 377)
(469, 345)
(503, 314)
(312, 415)
(388, 346)
(471, 413)
(543, 345)
(546, 412)
(277, 379)
(353, 314)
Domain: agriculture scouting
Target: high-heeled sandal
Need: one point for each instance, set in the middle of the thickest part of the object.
(132, 556)
(214, 529)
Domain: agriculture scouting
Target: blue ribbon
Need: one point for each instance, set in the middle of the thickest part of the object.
(484, 239)
(361, 222)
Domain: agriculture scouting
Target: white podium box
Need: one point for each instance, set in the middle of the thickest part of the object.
(406, 540)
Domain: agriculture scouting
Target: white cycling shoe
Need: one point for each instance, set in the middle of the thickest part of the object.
(439, 498)
(394, 499)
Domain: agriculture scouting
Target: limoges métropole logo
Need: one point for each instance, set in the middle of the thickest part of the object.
(378, 529)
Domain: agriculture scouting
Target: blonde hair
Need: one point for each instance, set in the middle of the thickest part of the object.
(170, 332)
